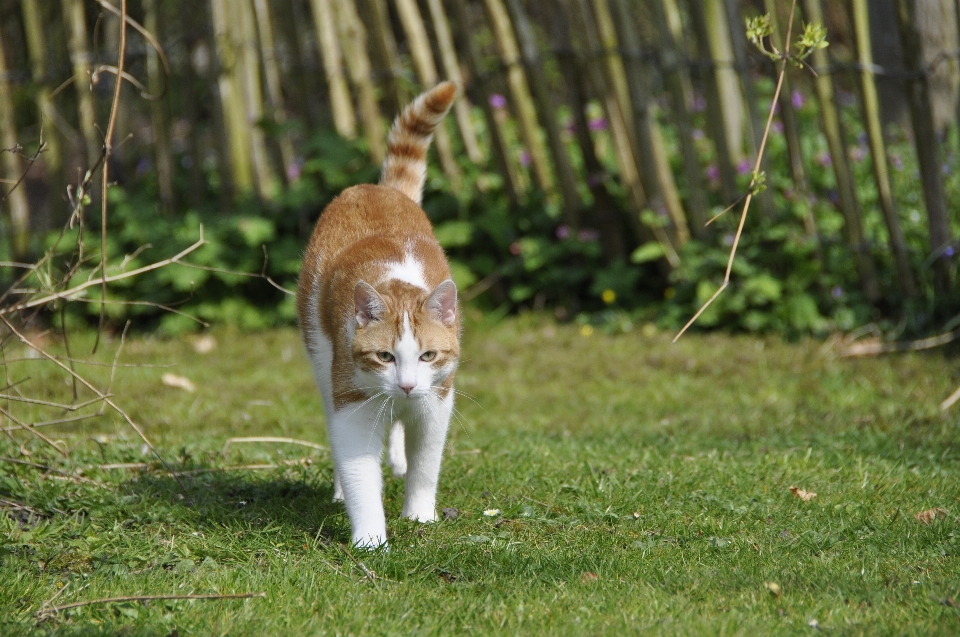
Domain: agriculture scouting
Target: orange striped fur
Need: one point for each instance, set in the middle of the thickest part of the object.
(405, 167)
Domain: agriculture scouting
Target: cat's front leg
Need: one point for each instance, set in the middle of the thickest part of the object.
(356, 440)
(424, 439)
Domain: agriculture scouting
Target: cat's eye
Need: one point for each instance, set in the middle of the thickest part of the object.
(385, 357)
(428, 356)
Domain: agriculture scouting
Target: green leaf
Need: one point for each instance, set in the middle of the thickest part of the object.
(650, 251)
(454, 234)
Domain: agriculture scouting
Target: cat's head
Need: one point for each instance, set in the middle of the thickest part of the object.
(406, 340)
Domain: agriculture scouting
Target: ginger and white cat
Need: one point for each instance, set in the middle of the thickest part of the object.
(379, 317)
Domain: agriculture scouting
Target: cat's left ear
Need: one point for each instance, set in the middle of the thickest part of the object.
(442, 302)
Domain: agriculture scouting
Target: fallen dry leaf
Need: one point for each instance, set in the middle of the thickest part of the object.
(180, 382)
(806, 496)
(205, 344)
(928, 516)
(588, 577)
(773, 587)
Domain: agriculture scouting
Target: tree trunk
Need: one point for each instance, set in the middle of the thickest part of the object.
(271, 72)
(545, 112)
(878, 151)
(159, 126)
(928, 151)
(340, 104)
(936, 25)
(523, 104)
(76, 24)
(830, 121)
(14, 196)
(451, 68)
(353, 38)
(426, 70)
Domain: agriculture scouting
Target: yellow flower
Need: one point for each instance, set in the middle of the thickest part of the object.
(608, 296)
(586, 330)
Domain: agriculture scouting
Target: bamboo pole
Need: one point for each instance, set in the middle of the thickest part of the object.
(13, 191)
(480, 91)
(426, 69)
(830, 120)
(928, 151)
(271, 72)
(878, 152)
(723, 139)
(34, 21)
(385, 55)
(677, 82)
(76, 25)
(159, 126)
(340, 104)
(647, 129)
(788, 117)
(523, 103)
(605, 213)
(249, 69)
(738, 44)
(545, 112)
(239, 165)
(451, 69)
(353, 39)
(620, 134)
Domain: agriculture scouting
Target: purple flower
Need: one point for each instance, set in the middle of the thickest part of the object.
(858, 153)
(948, 252)
(699, 104)
(594, 180)
(498, 101)
(696, 133)
(515, 248)
(836, 292)
(598, 124)
(778, 127)
(524, 158)
(713, 172)
(563, 231)
(896, 161)
(744, 167)
(294, 170)
(728, 239)
(796, 98)
(824, 159)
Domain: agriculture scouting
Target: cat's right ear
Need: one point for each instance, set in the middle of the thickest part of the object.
(369, 304)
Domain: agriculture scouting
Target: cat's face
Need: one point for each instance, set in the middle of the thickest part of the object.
(406, 342)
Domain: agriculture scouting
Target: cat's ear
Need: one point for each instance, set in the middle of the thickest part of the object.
(369, 304)
(442, 303)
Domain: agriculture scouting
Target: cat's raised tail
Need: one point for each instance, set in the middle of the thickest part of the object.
(405, 167)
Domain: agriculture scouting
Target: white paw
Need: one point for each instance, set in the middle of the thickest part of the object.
(422, 516)
(337, 494)
(370, 542)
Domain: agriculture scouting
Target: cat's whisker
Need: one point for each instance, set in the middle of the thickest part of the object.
(377, 395)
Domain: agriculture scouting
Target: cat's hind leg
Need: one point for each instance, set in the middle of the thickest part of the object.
(426, 434)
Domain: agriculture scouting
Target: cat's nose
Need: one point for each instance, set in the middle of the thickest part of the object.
(407, 388)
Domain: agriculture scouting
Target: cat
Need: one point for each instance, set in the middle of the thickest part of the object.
(381, 324)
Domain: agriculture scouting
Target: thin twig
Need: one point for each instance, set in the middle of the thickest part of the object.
(756, 170)
(105, 171)
(874, 347)
(142, 598)
(292, 441)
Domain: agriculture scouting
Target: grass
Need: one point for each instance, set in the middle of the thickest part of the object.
(642, 488)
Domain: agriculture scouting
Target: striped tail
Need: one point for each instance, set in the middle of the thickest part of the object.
(405, 167)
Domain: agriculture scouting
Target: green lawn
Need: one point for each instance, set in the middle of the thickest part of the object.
(642, 487)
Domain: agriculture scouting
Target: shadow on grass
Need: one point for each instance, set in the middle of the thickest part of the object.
(241, 500)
